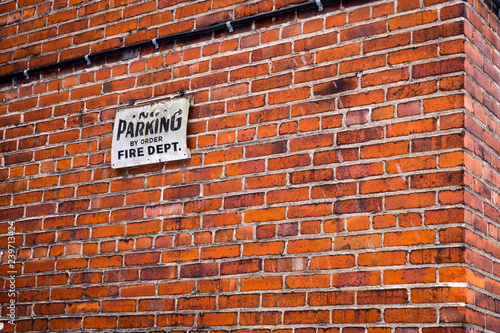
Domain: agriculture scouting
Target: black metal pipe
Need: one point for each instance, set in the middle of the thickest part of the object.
(497, 3)
(180, 35)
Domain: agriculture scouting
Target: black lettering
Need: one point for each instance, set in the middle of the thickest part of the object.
(164, 124)
(151, 150)
(130, 130)
(122, 126)
(166, 147)
(175, 124)
(175, 145)
(139, 128)
(121, 153)
(132, 152)
(149, 128)
(140, 151)
(159, 149)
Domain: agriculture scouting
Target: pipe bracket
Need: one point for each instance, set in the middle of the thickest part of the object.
(155, 43)
(319, 4)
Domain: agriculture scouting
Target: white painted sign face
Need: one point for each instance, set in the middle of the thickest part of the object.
(150, 134)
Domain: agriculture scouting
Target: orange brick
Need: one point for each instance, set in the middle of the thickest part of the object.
(423, 275)
(421, 315)
(306, 317)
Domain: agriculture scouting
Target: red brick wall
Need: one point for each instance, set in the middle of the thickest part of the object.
(482, 165)
(344, 173)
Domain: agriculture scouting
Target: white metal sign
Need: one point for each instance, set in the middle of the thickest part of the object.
(150, 133)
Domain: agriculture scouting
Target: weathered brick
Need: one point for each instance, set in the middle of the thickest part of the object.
(351, 162)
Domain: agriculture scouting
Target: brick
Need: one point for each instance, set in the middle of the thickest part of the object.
(229, 251)
(392, 296)
(438, 142)
(172, 288)
(444, 30)
(387, 42)
(372, 97)
(369, 29)
(271, 83)
(287, 264)
(407, 128)
(331, 298)
(437, 179)
(306, 317)
(392, 258)
(358, 242)
(218, 319)
(361, 64)
(158, 273)
(198, 270)
(356, 316)
(240, 267)
(332, 191)
(247, 200)
(290, 95)
(250, 249)
(284, 64)
(422, 315)
(395, 75)
(356, 279)
(332, 262)
(410, 20)
(302, 177)
(438, 68)
(283, 300)
(197, 303)
(156, 304)
(418, 89)
(39, 266)
(176, 320)
(287, 195)
(270, 214)
(265, 181)
(315, 74)
(310, 210)
(412, 54)
(310, 142)
(65, 324)
(439, 295)
(315, 42)
(135, 321)
(384, 185)
(249, 72)
(271, 52)
(230, 61)
(309, 245)
(385, 149)
(335, 87)
(359, 171)
(99, 322)
(218, 220)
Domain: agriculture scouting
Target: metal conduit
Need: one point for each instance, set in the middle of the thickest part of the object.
(497, 3)
(156, 41)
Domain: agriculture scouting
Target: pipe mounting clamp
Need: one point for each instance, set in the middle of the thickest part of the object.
(319, 4)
